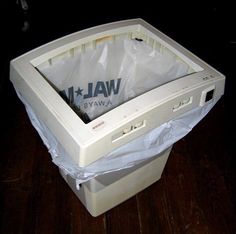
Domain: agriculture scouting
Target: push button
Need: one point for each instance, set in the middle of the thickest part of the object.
(186, 101)
(138, 125)
(127, 130)
(182, 103)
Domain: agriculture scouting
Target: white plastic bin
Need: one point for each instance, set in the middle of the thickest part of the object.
(106, 191)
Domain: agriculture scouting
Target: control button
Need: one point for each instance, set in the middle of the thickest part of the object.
(139, 124)
(127, 130)
(177, 106)
(186, 101)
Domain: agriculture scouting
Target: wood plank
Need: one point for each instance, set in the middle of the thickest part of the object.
(211, 157)
(195, 195)
(192, 195)
(58, 210)
(35, 199)
(171, 201)
(123, 218)
(17, 172)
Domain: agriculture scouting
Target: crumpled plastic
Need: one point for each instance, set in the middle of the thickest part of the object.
(144, 147)
(100, 79)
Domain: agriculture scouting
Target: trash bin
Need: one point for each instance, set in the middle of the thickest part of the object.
(109, 102)
(106, 191)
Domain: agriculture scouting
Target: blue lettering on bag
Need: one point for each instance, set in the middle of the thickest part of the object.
(105, 88)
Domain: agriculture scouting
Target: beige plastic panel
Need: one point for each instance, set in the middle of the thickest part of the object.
(122, 188)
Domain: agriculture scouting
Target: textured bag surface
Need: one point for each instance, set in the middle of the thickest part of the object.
(100, 79)
(128, 155)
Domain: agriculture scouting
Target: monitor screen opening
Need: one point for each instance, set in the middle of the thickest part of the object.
(96, 77)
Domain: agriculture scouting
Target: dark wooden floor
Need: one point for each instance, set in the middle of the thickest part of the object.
(196, 193)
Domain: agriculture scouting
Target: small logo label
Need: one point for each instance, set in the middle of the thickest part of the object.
(98, 125)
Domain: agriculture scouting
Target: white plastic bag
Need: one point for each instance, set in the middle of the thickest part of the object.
(102, 78)
(128, 155)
